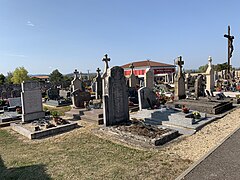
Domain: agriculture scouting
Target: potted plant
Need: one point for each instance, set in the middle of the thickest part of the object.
(55, 115)
(196, 115)
(19, 110)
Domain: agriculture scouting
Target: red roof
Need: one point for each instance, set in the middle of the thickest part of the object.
(147, 63)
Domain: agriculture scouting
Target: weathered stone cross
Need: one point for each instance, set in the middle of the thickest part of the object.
(106, 59)
(180, 63)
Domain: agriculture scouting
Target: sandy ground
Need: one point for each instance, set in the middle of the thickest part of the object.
(195, 146)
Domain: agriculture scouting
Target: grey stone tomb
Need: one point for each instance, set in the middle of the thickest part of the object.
(179, 82)
(133, 80)
(31, 101)
(146, 98)
(149, 78)
(115, 99)
(98, 85)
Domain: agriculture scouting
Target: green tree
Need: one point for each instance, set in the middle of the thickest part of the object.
(2, 79)
(220, 67)
(8, 79)
(20, 74)
(203, 68)
(56, 77)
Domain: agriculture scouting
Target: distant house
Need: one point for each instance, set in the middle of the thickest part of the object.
(161, 70)
(44, 78)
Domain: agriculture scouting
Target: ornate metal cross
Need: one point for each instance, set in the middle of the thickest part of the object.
(106, 59)
(98, 71)
(230, 47)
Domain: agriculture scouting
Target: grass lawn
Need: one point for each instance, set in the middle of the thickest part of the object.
(81, 155)
(61, 110)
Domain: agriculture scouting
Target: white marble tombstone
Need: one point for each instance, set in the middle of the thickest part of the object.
(210, 76)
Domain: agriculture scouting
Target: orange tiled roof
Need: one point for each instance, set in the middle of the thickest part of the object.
(41, 77)
(147, 63)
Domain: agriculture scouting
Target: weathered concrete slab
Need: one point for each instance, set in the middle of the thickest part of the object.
(42, 133)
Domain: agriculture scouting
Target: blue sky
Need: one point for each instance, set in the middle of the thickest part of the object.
(43, 35)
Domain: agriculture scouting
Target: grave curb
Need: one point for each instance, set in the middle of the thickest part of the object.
(188, 170)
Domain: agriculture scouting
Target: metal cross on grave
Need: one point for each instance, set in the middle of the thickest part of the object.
(106, 59)
(230, 47)
(98, 71)
(132, 67)
(76, 73)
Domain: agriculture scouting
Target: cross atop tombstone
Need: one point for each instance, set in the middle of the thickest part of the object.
(106, 59)
(76, 74)
(230, 47)
(210, 60)
(132, 67)
(180, 64)
(98, 71)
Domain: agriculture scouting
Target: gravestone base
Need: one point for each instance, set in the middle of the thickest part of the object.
(32, 116)
(206, 106)
(75, 113)
(140, 135)
(22, 128)
(93, 116)
(58, 103)
(9, 116)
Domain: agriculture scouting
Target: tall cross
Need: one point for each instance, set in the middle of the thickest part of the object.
(98, 71)
(76, 74)
(132, 67)
(230, 47)
(106, 59)
(180, 63)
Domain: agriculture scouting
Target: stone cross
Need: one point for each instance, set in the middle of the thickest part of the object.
(230, 47)
(132, 67)
(76, 73)
(180, 64)
(106, 59)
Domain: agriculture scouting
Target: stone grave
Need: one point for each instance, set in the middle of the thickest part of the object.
(115, 97)
(31, 101)
(179, 82)
(55, 99)
(34, 124)
(205, 105)
(149, 78)
(210, 75)
(16, 93)
(132, 79)
(146, 98)
(98, 85)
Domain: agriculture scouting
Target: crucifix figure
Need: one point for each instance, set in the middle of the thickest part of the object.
(98, 71)
(180, 63)
(106, 59)
(76, 74)
(230, 47)
(132, 67)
